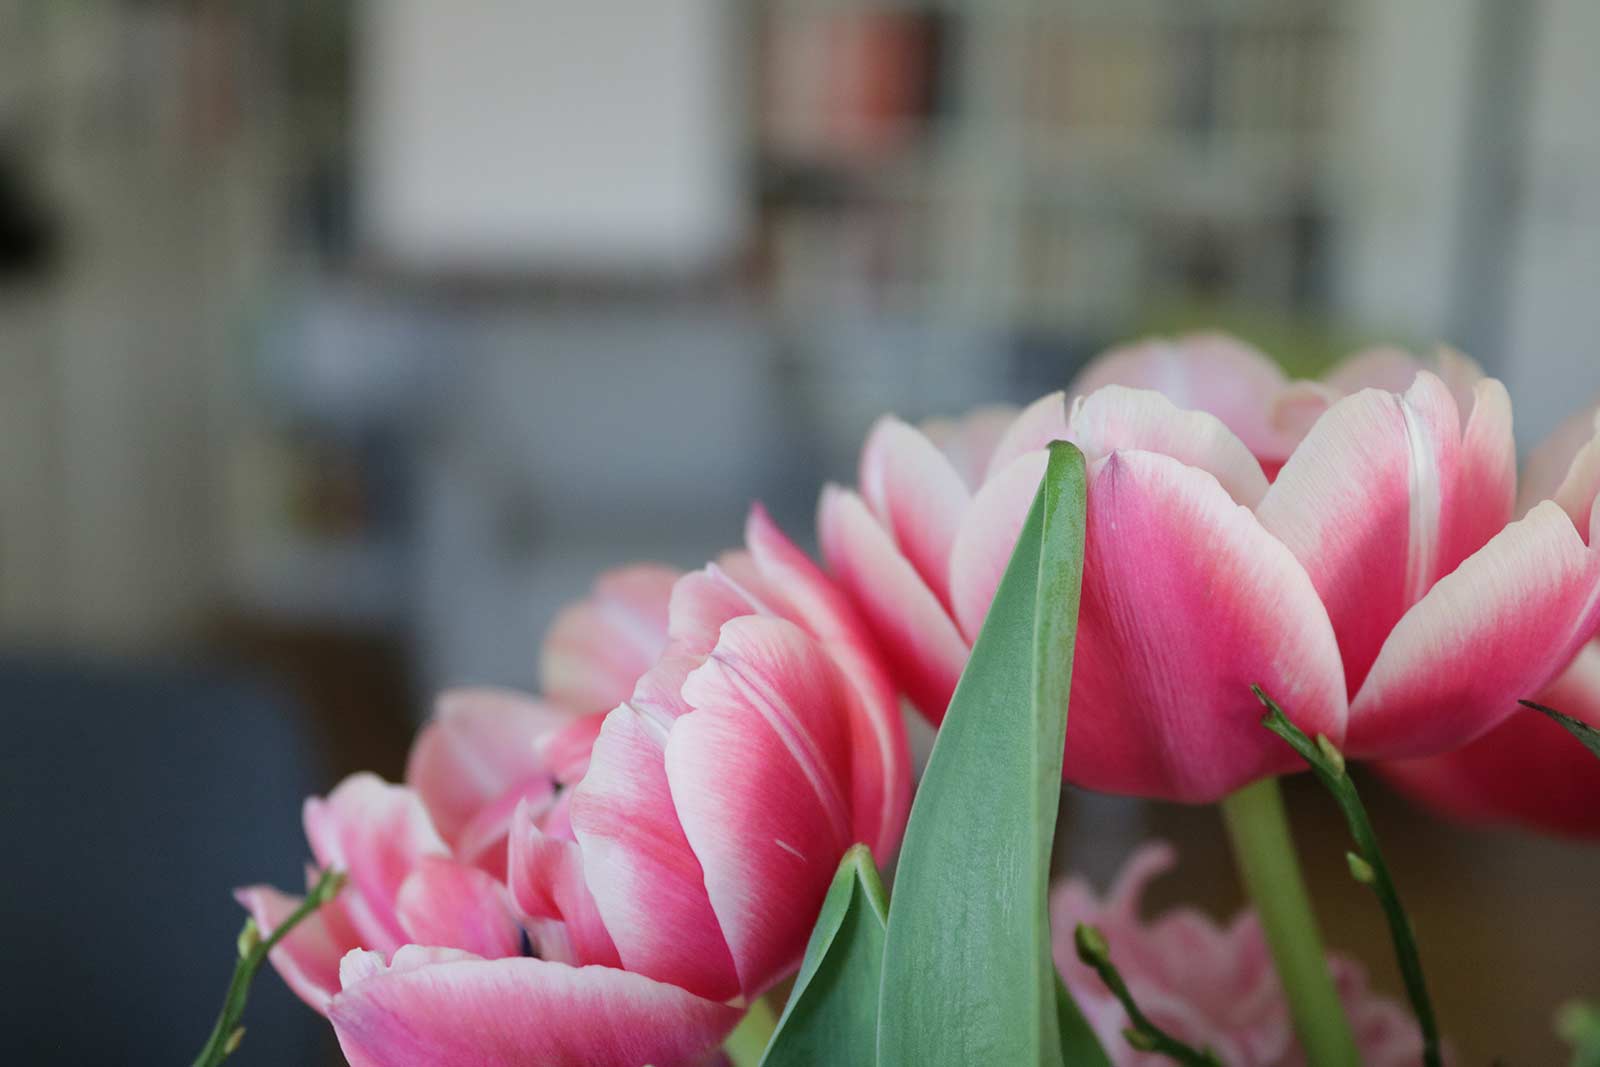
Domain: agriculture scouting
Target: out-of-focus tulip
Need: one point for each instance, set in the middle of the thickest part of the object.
(1375, 585)
(1208, 985)
(1528, 770)
(664, 860)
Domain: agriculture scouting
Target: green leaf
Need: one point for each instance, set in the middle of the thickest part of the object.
(1579, 1026)
(1582, 731)
(967, 973)
(832, 1014)
(1079, 1046)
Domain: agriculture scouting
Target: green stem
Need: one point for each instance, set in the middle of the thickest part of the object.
(1366, 866)
(227, 1033)
(1264, 852)
(749, 1040)
(1142, 1033)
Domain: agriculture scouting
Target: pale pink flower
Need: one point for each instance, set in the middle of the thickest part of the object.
(1208, 985)
(1374, 584)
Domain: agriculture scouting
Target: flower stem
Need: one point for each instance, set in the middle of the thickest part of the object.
(1143, 1034)
(1367, 865)
(1264, 852)
(227, 1033)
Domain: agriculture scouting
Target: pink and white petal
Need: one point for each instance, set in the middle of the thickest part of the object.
(307, 959)
(1552, 460)
(1499, 628)
(880, 792)
(646, 880)
(598, 647)
(377, 833)
(565, 752)
(969, 441)
(1118, 418)
(1041, 422)
(924, 650)
(917, 495)
(1527, 770)
(1379, 367)
(1578, 490)
(546, 882)
(482, 843)
(1363, 504)
(1209, 372)
(1487, 490)
(705, 599)
(1187, 601)
(1461, 374)
(988, 537)
(479, 744)
(452, 905)
(521, 1012)
(760, 774)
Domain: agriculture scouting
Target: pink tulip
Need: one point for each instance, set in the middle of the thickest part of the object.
(1529, 770)
(1207, 985)
(665, 860)
(1375, 585)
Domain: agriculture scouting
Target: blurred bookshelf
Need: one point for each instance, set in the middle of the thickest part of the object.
(1040, 167)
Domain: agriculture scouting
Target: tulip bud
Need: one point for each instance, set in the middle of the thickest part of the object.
(249, 938)
(1331, 753)
(1092, 947)
(1140, 1040)
(1360, 869)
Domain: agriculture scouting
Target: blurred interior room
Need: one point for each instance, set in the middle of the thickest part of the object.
(341, 343)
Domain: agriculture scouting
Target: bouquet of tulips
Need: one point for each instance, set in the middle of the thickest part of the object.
(1185, 576)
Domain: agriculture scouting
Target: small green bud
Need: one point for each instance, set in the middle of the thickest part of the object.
(1140, 1040)
(249, 938)
(330, 886)
(1360, 869)
(1091, 945)
(1331, 753)
(230, 1046)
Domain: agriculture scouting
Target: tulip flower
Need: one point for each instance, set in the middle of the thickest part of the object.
(664, 860)
(1207, 985)
(1375, 584)
(1528, 770)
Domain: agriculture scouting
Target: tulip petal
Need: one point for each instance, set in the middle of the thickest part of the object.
(988, 537)
(1382, 367)
(566, 751)
(647, 882)
(1488, 478)
(479, 745)
(760, 774)
(1363, 504)
(598, 647)
(1550, 463)
(465, 1012)
(1118, 418)
(968, 442)
(880, 791)
(1041, 422)
(1527, 770)
(1209, 372)
(1499, 628)
(1187, 601)
(922, 646)
(918, 497)
(453, 905)
(307, 959)
(377, 833)
(546, 881)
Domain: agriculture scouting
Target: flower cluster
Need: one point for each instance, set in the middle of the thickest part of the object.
(611, 872)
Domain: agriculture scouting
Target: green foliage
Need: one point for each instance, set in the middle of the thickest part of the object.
(832, 1013)
(967, 970)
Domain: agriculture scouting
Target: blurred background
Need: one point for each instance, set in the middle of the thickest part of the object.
(340, 343)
